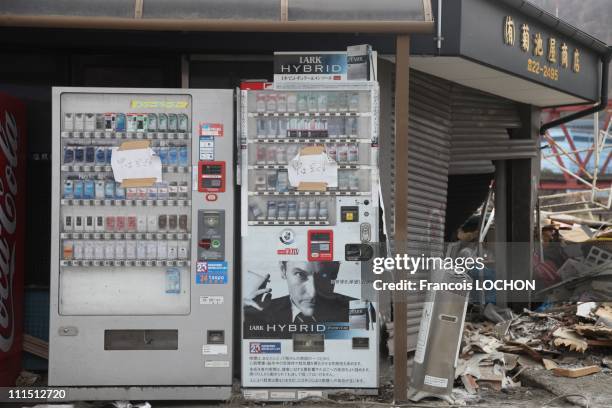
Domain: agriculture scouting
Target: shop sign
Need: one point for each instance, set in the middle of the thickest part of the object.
(548, 56)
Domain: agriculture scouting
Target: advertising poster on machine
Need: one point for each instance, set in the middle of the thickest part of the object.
(12, 225)
(309, 204)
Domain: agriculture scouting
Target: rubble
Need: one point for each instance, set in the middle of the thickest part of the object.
(494, 354)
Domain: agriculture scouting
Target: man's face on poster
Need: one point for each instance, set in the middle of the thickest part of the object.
(308, 280)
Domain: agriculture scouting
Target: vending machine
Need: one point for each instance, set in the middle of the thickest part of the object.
(309, 202)
(142, 248)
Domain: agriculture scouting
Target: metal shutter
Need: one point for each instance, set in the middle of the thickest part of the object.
(480, 124)
(453, 130)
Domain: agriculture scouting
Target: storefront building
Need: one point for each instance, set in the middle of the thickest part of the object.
(462, 83)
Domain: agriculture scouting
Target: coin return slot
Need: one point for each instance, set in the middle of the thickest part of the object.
(140, 339)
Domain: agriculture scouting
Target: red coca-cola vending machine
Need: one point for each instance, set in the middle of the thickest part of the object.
(12, 233)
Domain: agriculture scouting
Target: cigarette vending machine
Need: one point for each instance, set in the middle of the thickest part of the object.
(309, 197)
(142, 248)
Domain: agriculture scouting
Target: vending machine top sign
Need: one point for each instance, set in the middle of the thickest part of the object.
(354, 64)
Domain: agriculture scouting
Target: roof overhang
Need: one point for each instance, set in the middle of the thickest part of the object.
(350, 16)
(478, 76)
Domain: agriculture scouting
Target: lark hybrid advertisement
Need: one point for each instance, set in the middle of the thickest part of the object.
(309, 212)
(305, 323)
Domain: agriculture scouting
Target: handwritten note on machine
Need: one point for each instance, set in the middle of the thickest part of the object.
(313, 165)
(132, 162)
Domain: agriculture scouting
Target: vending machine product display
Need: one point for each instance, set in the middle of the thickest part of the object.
(142, 248)
(309, 197)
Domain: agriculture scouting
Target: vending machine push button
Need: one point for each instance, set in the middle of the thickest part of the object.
(205, 243)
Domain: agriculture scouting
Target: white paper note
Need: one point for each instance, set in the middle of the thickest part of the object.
(313, 168)
(136, 164)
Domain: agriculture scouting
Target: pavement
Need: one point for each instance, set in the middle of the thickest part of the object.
(595, 390)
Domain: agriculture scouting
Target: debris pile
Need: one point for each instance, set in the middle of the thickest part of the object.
(571, 340)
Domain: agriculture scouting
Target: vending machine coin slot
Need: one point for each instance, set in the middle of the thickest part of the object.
(215, 337)
(211, 176)
(211, 235)
(320, 245)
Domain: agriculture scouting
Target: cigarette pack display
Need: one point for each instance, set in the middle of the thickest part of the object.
(79, 250)
(109, 122)
(78, 223)
(78, 189)
(100, 155)
(119, 192)
(141, 223)
(109, 189)
(183, 123)
(183, 159)
(120, 250)
(151, 223)
(141, 249)
(88, 250)
(68, 189)
(99, 223)
(183, 189)
(89, 189)
(79, 154)
(131, 223)
(68, 122)
(183, 250)
(151, 250)
(183, 222)
(90, 122)
(110, 223)
(151, 122)
(120, 223)
(89, 223)
(100, 189)
(152, 192)
(120, 122)
(130, 249)
(98, 250)
(172, 250)
(172, 122)
(162, 250)
(109, 250)
(67, 223)
(163, 155)
(100, 124)
(142, 193)
(79, 121)
(68, 250)
(162, 222)
(172, 222)
(162, 122)
(68, 155)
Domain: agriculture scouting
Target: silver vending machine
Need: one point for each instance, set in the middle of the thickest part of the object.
(309, 197)
(142, 255)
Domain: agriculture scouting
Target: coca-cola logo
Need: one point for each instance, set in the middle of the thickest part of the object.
(9, 141)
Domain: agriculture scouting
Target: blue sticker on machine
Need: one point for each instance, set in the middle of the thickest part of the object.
(211, 272)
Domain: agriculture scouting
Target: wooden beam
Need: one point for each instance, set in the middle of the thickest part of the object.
(177, 24)
(402, 75)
